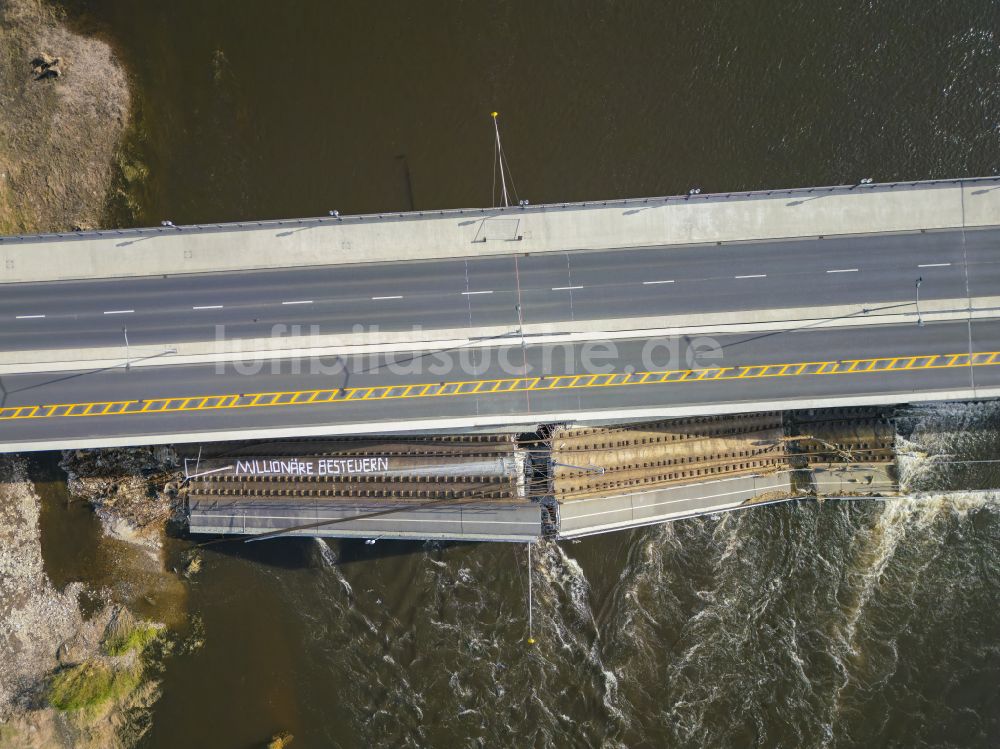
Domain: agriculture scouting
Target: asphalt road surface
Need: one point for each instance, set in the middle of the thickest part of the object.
(479, 292)
(243, 407)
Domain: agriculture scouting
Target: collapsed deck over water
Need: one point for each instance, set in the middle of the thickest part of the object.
(561, 482)
(471, 487)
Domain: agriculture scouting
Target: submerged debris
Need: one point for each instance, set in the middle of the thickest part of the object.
(280, 740)
(125, 487)
(193, 566)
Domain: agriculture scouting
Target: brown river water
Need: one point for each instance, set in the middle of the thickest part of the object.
(804, 625)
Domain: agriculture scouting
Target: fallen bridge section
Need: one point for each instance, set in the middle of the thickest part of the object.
(592, 515)
(470, 487)
(612, 478)
(562, 482)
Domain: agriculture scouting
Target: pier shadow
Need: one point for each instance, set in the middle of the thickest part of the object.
(353, 550)
(133, 241)
(299, 552)
(291, 553)
(414, 357)
(74, 376)
(854, 315)
(290, 232)
(407, 181)
(804, 200)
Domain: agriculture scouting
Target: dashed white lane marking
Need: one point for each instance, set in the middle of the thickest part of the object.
(119, 312)
(759, 275)
(566, 288)
(29, 317)
(209, 306)
(843, 270)
(300, 301)
(934, 265)
(653, 283)
(471, 293)
(375, 298)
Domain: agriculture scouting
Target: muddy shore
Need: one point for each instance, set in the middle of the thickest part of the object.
(72, 672)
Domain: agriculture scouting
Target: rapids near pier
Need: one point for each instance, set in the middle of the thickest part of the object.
(841, 623)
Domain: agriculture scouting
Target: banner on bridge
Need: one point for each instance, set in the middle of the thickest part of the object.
(315, 466)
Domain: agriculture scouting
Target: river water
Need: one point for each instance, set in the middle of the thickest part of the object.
(837, 624)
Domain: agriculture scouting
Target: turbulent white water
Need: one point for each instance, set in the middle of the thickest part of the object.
(841, 624)
(799, 625)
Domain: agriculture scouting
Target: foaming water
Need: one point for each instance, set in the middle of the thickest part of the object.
(805, 624)
(801, 624)
(934, 440)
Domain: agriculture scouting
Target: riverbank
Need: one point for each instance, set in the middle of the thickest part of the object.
(73, 660)
(61, 123)
(75, 665)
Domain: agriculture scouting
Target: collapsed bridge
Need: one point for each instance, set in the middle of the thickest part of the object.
(559, 482)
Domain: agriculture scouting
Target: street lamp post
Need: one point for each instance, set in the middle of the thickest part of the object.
(205, 473)
(128, 360)
(920, 320)
(520, 330)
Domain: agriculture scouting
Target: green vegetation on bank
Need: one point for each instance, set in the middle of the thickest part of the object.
(125, 634)
(136, 638)
(99, 680)
(90, 684)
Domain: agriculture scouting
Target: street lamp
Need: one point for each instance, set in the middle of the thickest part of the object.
(205, 473)
(520, 330)
(920, 320)
(128, 362)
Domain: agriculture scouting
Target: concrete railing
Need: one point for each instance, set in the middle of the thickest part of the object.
(700, 198)
(458, 233)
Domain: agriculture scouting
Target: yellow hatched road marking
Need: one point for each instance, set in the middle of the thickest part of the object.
(499, 386)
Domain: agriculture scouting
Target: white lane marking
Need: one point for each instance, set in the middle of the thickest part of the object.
(653, 283)
(301, 301)
(843, 270)
(375, 298)
(119, 312)
(470, 293)
(934, 265)
(209, 306)
(566, 288)
(29, 317)
(759, 275)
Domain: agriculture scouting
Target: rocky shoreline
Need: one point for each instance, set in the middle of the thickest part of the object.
(70, 676)
(35, 618)
(67, 678)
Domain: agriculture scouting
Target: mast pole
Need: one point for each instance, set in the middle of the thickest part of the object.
(503, 178)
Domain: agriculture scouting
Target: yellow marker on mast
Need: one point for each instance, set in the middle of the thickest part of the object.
(499, 158)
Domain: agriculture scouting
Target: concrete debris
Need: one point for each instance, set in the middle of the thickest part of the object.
(125, 487)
